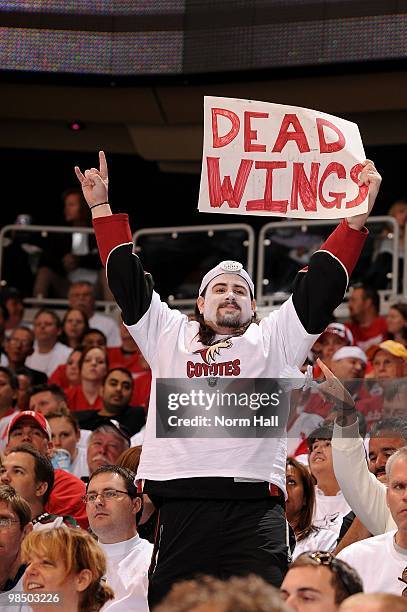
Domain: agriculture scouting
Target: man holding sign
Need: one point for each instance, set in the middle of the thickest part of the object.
(221, 500)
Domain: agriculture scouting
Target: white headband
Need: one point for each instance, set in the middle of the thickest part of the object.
(226, 267)
(354, 352)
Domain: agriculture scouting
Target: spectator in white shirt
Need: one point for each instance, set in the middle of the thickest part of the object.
(112, 503)
(48, 352)
(330, 501)
(81, 296)
(386, 436)
(390, 546)
(18, 347)
(364, 491)
(319, 582)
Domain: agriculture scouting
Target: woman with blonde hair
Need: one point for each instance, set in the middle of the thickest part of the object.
(65, 569)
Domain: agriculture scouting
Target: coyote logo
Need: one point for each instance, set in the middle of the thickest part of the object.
(209, 354)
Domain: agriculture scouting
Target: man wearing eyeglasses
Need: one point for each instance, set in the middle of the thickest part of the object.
(18, 347)
(112, 504)
(391, 547)
(15, 525)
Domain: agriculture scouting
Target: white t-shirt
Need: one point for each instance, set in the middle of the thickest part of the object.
(79, 467)
(48, 362)
(321, 538)
(379, 562)
(275, 348)
(127, 574)
(329, 507)
(83, 440)
(108, 326)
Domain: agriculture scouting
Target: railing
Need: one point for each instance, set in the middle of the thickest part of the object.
(44, 230)
(204, 245)
(189, 251)
(273, 234)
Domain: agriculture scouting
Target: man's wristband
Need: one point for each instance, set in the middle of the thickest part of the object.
(95, 205)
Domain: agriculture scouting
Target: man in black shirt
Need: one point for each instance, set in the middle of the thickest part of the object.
(117, 391)
(18, 347)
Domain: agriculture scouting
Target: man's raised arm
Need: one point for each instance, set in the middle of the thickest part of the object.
(130, 285)
(364, 493)
(320, 287)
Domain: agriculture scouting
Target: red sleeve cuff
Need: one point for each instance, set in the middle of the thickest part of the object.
(110, 232)
(346, 244)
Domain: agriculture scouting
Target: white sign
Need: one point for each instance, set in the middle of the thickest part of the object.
(275, 160)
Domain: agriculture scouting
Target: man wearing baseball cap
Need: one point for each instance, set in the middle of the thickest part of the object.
(389, 363)
(335, 336)
(389, 360)
(348, 364)
(67, 493)
(220, 499)
(106, 443)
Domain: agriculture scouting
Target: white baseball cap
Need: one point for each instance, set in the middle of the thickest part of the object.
(353, 352)
(226, 267)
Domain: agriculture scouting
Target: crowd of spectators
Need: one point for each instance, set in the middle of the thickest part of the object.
(74, 395)
(71, 436)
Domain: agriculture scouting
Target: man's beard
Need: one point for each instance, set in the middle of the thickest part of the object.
(230, 320)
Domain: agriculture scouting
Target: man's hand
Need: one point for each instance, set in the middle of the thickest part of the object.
(95, 182)
(372, 179)
(333, 390)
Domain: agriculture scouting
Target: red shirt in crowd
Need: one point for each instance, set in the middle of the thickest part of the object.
(66, 498)
(366, 336)
(76, 400)
(133, 362)
(58, 377)
(372, 409)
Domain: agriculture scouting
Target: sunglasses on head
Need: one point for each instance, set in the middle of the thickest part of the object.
(328, 560)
